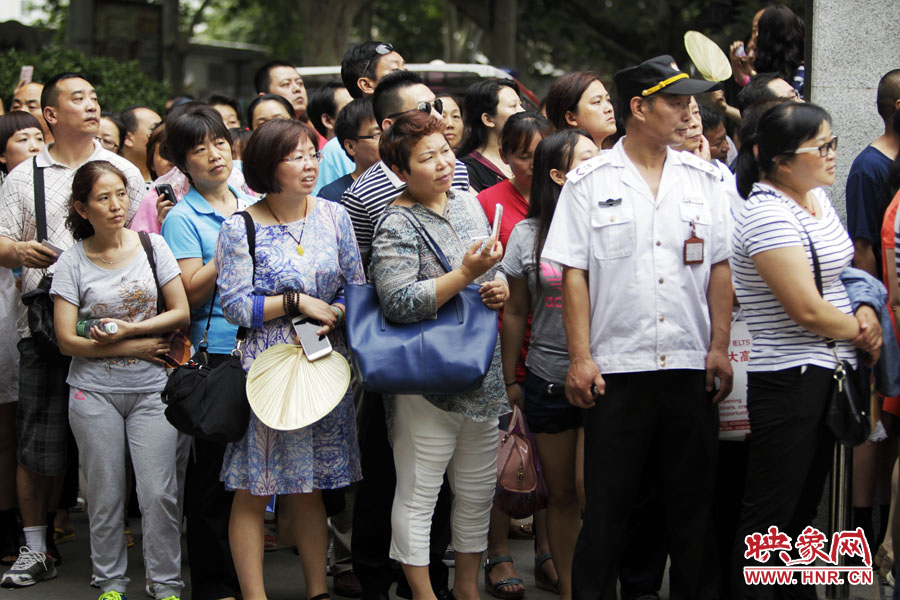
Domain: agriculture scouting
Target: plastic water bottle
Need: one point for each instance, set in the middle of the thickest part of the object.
(83, 328)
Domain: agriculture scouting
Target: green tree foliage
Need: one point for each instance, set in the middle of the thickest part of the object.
(118, 84)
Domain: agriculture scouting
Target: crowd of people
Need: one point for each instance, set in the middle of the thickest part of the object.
(634, 232)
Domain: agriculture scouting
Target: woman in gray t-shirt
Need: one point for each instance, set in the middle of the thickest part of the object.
(116, 376)
(536, 286)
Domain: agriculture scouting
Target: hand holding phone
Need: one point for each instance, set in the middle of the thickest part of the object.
(25, 75)
(498, 216)
(164, 189)
(51, 246)
(314, 345)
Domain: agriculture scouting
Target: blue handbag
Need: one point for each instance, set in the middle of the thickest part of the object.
(447, 355)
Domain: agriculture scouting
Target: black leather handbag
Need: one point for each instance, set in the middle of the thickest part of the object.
(848, 408)
(207, 403)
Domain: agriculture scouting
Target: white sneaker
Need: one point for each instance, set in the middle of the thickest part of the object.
(29, 568)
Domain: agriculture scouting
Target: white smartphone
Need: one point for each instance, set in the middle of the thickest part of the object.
(52, 246)
(26, 73)
(314, 345)
(498, 216)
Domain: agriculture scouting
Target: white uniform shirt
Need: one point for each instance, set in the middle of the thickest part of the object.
(648, 309)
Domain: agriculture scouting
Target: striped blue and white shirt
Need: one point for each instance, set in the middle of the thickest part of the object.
(770, 220)
(377, 187)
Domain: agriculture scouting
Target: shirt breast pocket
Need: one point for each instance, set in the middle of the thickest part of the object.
(612, 231)
(700, 216)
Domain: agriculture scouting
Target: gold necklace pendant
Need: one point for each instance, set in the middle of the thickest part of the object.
(300, 249)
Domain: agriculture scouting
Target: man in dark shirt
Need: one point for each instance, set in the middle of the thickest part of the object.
(865, 183)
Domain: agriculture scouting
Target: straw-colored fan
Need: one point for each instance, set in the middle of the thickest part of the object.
(709, 59)
(287, 392)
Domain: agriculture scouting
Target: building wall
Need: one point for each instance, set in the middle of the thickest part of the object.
(854, 43)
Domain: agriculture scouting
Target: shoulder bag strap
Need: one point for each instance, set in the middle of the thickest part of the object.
(40, 206)
(817, 271)
(251, 247)
(417, 225)
(148, 250)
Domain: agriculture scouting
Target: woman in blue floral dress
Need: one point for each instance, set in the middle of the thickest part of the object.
(305, 253)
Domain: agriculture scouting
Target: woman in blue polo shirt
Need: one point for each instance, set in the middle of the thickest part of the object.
(200, 146)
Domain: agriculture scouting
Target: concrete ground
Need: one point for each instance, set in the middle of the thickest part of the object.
(284, 577)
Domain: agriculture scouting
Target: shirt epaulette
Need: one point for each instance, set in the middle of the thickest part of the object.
(692, 160)
(589, 166)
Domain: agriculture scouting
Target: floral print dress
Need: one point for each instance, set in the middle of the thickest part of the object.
(324, 455)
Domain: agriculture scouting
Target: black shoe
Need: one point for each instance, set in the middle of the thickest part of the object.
(444, 594)
(346, 584)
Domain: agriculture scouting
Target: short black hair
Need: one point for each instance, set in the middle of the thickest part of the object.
(757, 91)
(321, 102)
(267, 98)
(190, 129)
(351, 118)
(386, 99)
(262, 80)
(227, 101)
(50, 93)
(888, 94)
(13, 122)
(710, 118)
(120, 125)
(130, 119)
(354, 65)
(269, 144)
(520, 130)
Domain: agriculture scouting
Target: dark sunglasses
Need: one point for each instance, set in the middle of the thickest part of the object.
(424, 107)
(380, 50)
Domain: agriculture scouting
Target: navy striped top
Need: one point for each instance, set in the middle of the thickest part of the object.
(771, 220)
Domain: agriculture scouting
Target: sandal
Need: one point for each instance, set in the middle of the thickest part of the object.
(62, 536)
(496, 589)
(325, 596)
(542, 581)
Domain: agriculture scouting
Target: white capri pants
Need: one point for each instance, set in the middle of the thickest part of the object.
(428, 442)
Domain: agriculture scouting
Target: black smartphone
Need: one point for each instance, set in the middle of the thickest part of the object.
(164, 189)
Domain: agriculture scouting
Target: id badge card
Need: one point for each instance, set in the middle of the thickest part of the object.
(693, 248)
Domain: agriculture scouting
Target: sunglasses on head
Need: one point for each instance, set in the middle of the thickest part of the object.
(380, 50)
(424, 107)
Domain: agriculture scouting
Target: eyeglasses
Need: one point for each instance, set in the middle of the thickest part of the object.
(424, 107)
(108, 144)
(822, 150)
(310, 158)
(375, 136)
(380, 50)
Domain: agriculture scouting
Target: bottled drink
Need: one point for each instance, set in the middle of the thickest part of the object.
(83, 328)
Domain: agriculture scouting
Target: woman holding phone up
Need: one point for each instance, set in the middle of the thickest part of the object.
(437, 433)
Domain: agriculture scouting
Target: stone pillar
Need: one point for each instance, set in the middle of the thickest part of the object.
(853, 45)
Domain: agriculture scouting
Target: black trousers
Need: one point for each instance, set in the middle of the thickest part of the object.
(661, 425)
(207, 507)
(371, 539)
(790, 456)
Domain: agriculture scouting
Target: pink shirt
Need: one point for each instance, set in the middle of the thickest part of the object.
(145, 219)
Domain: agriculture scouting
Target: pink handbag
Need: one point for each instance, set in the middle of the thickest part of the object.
(515, 458)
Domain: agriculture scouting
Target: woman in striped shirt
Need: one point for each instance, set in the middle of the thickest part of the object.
(786, 217)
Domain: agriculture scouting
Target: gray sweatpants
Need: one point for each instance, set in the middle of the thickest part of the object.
(103, 424)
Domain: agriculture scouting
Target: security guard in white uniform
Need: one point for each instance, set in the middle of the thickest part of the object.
(643, 234)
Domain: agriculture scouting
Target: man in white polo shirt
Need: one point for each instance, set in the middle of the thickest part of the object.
(72, 112)
(643, 234)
